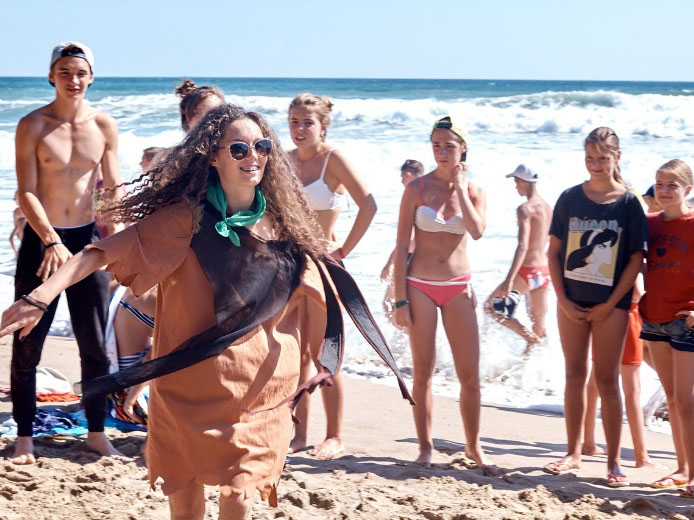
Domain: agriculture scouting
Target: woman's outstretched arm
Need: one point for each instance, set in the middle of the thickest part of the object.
(24, 315)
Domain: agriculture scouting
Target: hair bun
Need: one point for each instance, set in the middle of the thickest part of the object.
(185, 88)
(328, 103)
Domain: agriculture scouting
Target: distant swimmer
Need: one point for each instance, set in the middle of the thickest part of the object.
(529, 273)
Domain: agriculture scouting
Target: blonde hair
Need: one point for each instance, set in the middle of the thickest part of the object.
(322, 105)
(606, 140)
(679, 169)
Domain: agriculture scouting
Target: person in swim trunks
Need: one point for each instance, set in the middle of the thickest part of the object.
(529, 273)
(444, 208)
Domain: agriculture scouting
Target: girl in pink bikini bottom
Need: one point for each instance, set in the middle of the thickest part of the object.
(442, 291)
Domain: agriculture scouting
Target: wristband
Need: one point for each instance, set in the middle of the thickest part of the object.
(31, 301)
(401, 303)
(53, 244)
(341, 252)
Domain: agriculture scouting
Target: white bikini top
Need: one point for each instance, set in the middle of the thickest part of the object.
(319, 196)
(428, 219)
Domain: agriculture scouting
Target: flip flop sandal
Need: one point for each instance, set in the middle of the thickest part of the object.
(559, 468)
(669, 483)
(617, 480)
(688, 493)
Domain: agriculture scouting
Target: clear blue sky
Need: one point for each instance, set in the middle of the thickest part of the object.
(491, 39)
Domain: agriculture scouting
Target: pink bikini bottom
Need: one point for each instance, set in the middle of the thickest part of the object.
(442, 291)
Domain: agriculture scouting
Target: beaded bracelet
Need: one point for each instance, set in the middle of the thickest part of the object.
(32, 301)
(401, 303)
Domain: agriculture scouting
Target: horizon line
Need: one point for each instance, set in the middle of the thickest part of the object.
(367, 78)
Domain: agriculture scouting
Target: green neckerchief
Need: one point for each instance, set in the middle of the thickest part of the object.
(246, 218)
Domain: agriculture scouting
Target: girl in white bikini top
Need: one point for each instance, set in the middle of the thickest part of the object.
(318, 194)
(428, 219)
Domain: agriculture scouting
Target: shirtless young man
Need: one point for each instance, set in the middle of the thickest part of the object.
(528, 273)
(58, 149)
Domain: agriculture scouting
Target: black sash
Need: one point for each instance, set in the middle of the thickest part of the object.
(251, 284)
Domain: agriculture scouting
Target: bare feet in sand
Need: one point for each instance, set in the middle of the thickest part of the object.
(329, 449)
(592, 450)
(24, 451)
(297, 445)
(424, 458)
(644, 463)
(489, 469)
(98, 442)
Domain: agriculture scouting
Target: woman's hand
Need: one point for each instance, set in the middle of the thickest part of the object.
(461, 176)
(600, 312)
(403, 316)
(128, 407)
(387, 272)
(20, 315)
(334, 249)
(574, 312)
(690, 317)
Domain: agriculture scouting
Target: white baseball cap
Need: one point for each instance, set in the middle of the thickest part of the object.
(523, 173)
(73, 48)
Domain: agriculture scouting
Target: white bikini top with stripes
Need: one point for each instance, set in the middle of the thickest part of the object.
(319, 196)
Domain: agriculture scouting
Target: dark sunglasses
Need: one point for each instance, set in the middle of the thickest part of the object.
(238, 151)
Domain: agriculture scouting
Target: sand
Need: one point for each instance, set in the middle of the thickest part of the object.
(374, 480)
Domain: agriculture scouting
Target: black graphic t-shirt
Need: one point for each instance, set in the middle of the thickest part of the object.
(597, 242)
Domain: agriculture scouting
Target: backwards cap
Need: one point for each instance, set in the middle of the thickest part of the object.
(447, 123)
(73, 48)
(523, 173)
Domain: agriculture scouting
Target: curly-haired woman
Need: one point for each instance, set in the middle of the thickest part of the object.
(229, 305)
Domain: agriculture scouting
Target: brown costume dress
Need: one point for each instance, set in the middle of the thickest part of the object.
(199, 422)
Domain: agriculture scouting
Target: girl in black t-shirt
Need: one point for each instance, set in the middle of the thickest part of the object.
(598, 238)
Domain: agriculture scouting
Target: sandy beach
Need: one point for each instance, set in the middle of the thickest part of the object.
(373, 480)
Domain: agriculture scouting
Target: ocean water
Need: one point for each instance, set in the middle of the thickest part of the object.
(378, 124)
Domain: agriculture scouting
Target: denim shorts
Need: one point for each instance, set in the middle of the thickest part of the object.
(676, 333)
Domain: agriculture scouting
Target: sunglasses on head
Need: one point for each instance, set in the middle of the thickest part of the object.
(239, 150)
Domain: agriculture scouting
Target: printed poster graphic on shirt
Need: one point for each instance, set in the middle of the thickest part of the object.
(591, 251)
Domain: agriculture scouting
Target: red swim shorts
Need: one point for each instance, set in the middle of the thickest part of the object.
(633, 345)
(535, 277)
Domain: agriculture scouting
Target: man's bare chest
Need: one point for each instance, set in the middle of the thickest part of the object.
(71, 147)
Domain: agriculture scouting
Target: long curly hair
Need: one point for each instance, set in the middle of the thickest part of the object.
(182, 176)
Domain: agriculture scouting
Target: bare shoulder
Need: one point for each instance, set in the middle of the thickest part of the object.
(34, 122)
(475, 190)
(337, 159)
(413, 191)
(105, 122)
(525, 210)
